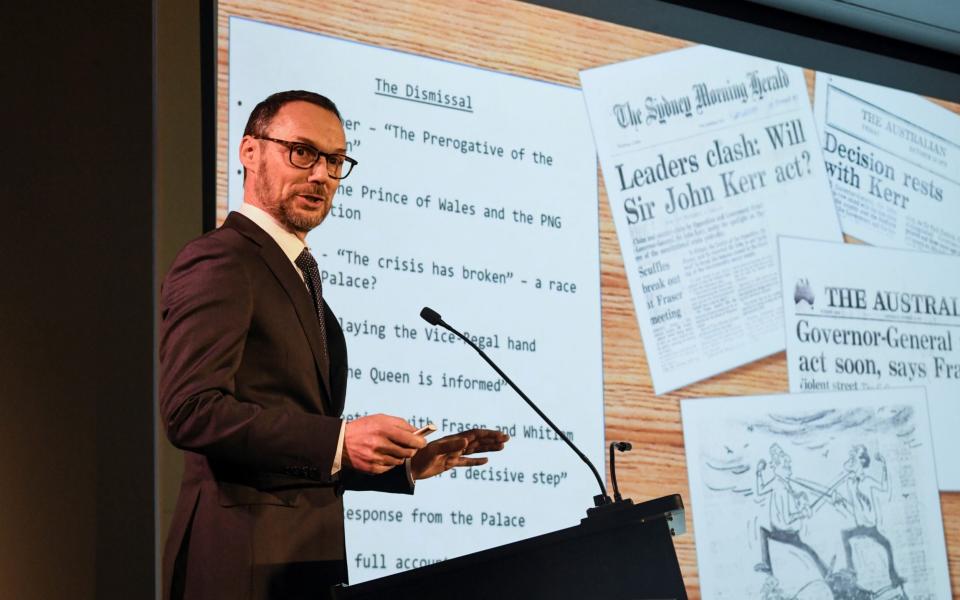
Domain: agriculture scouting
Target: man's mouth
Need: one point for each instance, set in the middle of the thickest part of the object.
(312, 199)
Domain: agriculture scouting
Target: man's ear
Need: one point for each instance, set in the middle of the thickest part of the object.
(249, 152)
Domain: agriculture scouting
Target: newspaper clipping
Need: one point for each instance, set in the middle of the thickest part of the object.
(707, 155)
(894, 164)
(860, 317)
(828, 496)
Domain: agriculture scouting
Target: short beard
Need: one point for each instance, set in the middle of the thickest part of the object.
(294, 221)
(281, 209)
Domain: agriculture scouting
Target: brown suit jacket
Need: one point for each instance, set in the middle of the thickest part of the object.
(243, 393)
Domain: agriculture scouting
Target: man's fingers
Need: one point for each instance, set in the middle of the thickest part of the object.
(470, 462)
(485, 440)
(394, 429)
(389, 449)
(375, 465)
(484, 447)
(489, 435)
(449, 445)
(389, 461)
(378, 443)
(402, 436)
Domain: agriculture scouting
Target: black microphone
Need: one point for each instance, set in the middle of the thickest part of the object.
(431, 316)
(622, 447)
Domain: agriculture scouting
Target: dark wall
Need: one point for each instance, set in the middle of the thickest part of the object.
(179, 184)
(76, 328)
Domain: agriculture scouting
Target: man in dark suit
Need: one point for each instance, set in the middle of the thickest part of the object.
(253, 378)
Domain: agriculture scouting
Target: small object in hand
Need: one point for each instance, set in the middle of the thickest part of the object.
(426, 430)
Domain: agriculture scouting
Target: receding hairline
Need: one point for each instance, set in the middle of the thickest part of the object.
(262, 115)
(298, 135)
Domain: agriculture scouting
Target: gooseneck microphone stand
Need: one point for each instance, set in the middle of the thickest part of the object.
(602, 499)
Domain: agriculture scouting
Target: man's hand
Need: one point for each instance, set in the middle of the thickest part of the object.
(449, 452)
(377, 443)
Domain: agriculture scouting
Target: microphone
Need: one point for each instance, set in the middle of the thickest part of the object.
(622, 447)
(431, 316)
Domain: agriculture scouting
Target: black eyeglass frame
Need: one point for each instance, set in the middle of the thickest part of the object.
(291, 146)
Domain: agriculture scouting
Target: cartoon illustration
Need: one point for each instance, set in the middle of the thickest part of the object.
(862, 506)
(802, 503)
(787, 508)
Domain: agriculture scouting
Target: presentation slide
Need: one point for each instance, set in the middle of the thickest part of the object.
(484, 209)
(478, 192)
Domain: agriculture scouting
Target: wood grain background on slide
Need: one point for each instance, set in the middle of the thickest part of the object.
(549, 45)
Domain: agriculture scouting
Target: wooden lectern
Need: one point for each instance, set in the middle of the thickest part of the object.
(619, 551)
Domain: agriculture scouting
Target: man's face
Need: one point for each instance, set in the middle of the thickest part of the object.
(299, 199)
(783, 468)
(853, 464)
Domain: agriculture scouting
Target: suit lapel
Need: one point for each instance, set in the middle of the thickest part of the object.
(337, 351)
(288, 277)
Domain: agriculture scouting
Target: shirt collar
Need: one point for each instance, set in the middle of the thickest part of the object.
(291, 245)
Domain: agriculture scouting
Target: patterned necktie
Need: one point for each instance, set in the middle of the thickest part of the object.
(311, 274)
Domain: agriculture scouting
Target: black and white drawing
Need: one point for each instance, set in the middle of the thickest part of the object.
(820, 496)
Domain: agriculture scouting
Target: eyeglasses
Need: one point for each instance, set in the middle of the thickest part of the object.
(304, 156)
